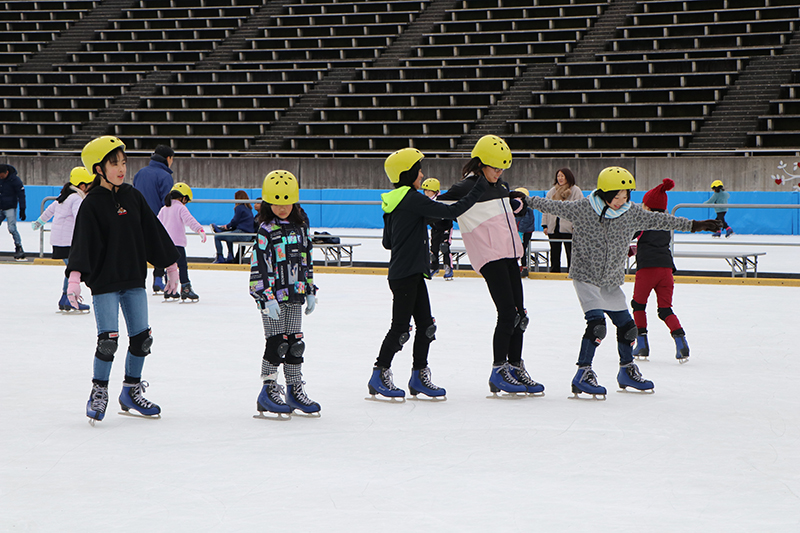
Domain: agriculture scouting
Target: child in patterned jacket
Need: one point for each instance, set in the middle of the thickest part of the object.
(281, 280)
(603, 225)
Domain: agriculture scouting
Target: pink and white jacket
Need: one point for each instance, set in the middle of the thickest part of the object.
(174, 218)
(63, 216)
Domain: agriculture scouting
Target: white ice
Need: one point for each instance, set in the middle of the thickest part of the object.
(716, 448)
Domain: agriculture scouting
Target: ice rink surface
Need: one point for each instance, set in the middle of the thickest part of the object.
(716, 448)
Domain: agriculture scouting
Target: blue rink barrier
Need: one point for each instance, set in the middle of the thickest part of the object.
(753, 222)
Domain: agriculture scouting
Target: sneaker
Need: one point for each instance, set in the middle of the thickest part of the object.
(98, 401)
(629, 376)
(296, 399)
(382, 383)
(271, 399)
(520, 374)
(420, 382)
(501, 379)
(132, 397)
(585, 380)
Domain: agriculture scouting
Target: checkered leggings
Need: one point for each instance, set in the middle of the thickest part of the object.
(290, 321)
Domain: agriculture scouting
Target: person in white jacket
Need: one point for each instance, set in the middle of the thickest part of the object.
(63, 212)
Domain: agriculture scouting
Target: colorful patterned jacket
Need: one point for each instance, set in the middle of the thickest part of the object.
(281, 268)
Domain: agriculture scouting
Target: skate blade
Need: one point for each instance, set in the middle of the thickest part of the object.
(641, 357)
(93, 421)
(535, 394)
(385, 399)
(303, 414)
(72, 312)
(507, 396)
(636, 391)
(683, 360)
(190, 301)
(139, 415)
(589, 398)
(276, 416)
(423, 398)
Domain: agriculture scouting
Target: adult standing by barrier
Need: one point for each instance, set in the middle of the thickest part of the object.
(12, 194)
(556, 228)
(155, 182)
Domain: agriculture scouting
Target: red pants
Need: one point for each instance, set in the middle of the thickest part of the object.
(659, 280)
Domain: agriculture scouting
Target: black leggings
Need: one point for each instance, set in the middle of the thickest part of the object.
(555, 250)
(409, 298)
(505, 287)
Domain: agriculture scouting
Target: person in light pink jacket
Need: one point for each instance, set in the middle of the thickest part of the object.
(174, 216)
(63, 212)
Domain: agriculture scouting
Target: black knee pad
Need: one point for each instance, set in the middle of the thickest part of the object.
(276, 349)
(522, 321)
(596, 331)
(428, 331)
(627, 332)
(664, 312)
(403, 338)
(294, 356)
(106, 346)
(141, 343)
(636, 306)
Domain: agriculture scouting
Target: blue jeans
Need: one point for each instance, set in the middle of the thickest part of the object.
(620, 319)
(10, 215)
(106, 313)
(229, 239)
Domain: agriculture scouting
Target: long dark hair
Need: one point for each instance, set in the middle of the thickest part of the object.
(297, 216)
(473, 166)
(112, 156)
(567, 175)
(66, 190)
(173, 195)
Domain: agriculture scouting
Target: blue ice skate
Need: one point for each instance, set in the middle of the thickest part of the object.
(132, 397)
(642, 348)
(270, 401)
(158, 284)
(448, 273)
(502, 380)
(64, 305)
(585, 381)
(629, 376)
(381, 383)
(681, 348)
(519, 373)
(98, 401)
(296, 399)
(420, 382)
(728, 232)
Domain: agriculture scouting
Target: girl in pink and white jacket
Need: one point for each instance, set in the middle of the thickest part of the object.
(63, 212)
(174, 216)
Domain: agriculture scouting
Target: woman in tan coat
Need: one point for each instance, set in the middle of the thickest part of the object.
(559, 229)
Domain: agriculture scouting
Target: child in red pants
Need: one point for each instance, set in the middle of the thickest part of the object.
(654, 273)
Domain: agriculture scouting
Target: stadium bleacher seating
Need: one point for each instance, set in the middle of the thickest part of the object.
(421, 72)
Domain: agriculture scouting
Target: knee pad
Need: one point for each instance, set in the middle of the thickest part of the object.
(403, 338)
(277, 346)
(106, 346)
(429, 331)
(141, 343)
(522, 321)
(636, 306)
(627, 332)
(296, 348)
(664, 312)
(596, 331)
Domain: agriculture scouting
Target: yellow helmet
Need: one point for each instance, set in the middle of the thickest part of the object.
(184, 190)
(431, 184)
(615, 179)
(523, 190)
(492, 151)
(280, 188)
(717, 183)
(80, 175)
(401, 161)
(96, 149)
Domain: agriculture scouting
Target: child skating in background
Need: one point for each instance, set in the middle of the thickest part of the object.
(405, 233)
(174, 216)
(720, 201)
(281, 280)
(654, 272)
(63, 212)
(441, 234)
(604, 224)
(116, 235)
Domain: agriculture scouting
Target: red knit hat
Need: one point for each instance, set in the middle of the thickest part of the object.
(656, 198)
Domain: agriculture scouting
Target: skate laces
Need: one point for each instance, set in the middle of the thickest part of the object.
(633, 372)
(590, 377)
(137, 392)
(523, 376)
(299, 393)
(99, 398)
(276, 392)
(506, 374)
(425, 378)
(387, 379)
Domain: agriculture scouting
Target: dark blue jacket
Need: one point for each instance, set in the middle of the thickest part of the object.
(12, 192)
(243, 219)
(154, 182)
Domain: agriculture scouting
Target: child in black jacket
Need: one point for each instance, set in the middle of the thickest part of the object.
(405, 233)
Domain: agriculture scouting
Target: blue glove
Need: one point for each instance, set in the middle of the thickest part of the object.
(271, 309)
(311, 303)
(38, 223)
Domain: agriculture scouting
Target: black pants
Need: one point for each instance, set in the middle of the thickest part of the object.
(505, 287)
(409, 299)
(721, 218)
(555, 250)
(183, 267)
(440, 242)
(526, 241)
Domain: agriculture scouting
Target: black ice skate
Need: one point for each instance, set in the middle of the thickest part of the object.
(187, 294)
(19, 253)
